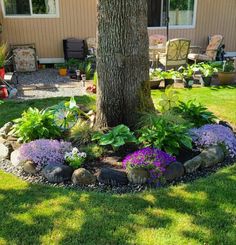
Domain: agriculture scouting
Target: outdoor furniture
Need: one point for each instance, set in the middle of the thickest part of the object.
(74, 49)
(215, 43)
(24, 58)
(176, 53)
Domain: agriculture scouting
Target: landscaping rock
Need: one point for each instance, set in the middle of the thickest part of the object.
(174, 171)
(6, 129)
(212, 156)
(193, 164)
(4, 151)
(57, 173)
(112, 177)
(29, 167)
(15, 156)
(138, 176)
(206, 158)
(82, 176)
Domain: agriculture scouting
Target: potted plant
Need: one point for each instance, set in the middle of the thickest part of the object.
(3, 54)
(226, 74)
(207, 72)
(155, 78)
(62, 69)
(72, 65)
(187, 74)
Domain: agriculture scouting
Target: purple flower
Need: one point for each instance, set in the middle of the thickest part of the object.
(151, 159)
(43, 152)
(213, 134)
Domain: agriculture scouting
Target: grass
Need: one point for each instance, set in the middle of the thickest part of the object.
(220, 100)
(202, 212)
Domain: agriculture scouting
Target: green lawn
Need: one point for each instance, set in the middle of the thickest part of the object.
(220, 100)
(202, 212)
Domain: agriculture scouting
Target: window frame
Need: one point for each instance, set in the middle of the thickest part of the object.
(31, 15)
(179, 26)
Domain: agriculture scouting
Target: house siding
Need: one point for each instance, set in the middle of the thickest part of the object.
(78, 19)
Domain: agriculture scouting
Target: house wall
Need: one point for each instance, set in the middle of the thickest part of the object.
(78, 19)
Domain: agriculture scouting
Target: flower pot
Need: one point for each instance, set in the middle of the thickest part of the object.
(206, 81)
(226, 77)
(169, 82)
(63, 72)
(154, 84)
(2, 72)
(3, 92)
(188, 82)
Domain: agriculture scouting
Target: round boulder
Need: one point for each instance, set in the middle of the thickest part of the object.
(4, 152)
(15, 158)
(57, 173)
(174, 171)
(82, 176)
(29, 167)
(138, 175)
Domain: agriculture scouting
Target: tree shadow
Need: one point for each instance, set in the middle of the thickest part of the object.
(38, 214)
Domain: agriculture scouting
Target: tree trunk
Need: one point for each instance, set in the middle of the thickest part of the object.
(122, 62)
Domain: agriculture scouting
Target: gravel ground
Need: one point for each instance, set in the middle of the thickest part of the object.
(39, 179)
(46, 84)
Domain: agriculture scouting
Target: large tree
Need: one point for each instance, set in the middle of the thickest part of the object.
(122, 62)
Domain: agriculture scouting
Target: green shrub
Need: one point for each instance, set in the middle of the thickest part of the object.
(93, 151)
(165, 135)
(35, 124)
(81, 133)
(195, 113)
(116, 137)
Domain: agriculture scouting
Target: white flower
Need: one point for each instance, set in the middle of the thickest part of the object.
(75, 150)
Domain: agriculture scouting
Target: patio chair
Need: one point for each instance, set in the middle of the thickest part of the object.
(215, 43)
(24, 58)
(176, 54)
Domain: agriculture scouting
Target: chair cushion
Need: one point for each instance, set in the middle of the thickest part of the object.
(199, 57)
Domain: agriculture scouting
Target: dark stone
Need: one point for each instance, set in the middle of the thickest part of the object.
(226, 124)
(82, 176)
(193, 164)
(57, 173)
(112, 177)
(174, 171)
(138, 175)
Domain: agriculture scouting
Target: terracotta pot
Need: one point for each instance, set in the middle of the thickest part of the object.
(226, 77)
(2, 72)
(63, 72)
(3, 92)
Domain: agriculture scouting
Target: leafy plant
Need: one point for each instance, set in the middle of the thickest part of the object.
(3, 54)
(35, 124)
(228, 66)
(61, 66)
(93, 151)
(75, 159)
(116, 137)
(197, 114)
(168, 99)
(165, 135)
(207, 70)
(81, 133)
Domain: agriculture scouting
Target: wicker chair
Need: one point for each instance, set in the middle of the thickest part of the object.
(176, 54)
(211, 50)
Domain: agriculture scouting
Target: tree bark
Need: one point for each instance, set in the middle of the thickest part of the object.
(122, 62)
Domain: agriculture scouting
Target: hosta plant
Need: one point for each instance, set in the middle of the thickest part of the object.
(195, 113)
(166, 136)
(116, 137)
(153, 160)
(35, 124)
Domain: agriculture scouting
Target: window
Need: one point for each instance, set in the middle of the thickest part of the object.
(34, 8)
(181, 12)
